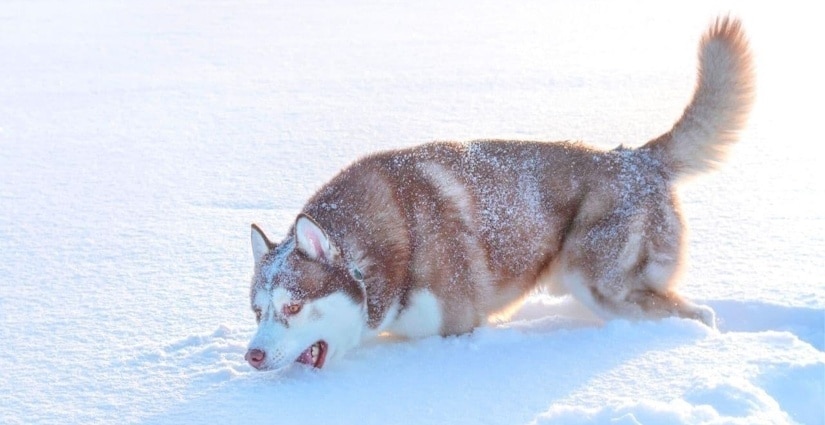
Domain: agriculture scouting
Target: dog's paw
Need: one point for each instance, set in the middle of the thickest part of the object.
(705, 315)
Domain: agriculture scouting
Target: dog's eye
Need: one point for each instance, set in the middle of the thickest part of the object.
(257, 314)
(292, 309)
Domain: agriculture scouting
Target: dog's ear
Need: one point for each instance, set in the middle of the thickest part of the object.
(260, 243)
(313, 240)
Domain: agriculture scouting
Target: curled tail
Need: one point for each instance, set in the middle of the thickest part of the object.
(721, 102)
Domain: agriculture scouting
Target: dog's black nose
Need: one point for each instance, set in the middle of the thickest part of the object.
(255, 357)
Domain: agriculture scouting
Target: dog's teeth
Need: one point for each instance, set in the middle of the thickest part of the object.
(315, 351)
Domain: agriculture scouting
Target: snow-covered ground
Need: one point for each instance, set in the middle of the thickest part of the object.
(138, 140)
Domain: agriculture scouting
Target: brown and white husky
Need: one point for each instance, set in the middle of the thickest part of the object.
(434, 239)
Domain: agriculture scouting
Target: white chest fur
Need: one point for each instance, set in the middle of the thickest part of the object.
(422, 317)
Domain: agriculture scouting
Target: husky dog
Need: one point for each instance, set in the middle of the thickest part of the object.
(434, 239)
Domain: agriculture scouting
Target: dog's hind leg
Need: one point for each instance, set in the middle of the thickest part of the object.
(629, 298)
(619, 271)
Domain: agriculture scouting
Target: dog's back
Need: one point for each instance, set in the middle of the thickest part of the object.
(472, 224)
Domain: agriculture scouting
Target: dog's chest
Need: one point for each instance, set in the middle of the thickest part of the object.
(421, 317)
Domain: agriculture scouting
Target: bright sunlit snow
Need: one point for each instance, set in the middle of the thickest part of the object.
(138, 141)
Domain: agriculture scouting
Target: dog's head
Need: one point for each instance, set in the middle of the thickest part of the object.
(308, 300)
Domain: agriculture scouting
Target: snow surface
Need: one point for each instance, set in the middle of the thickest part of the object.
(138, 140)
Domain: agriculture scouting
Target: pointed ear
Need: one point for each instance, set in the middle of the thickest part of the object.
(313, 240)
(260, 243)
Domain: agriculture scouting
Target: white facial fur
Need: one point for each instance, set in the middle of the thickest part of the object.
(335, 319)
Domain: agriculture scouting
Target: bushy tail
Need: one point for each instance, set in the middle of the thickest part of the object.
(720, 106)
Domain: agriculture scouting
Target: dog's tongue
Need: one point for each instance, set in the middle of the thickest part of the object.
(314, 355)
(306, 357)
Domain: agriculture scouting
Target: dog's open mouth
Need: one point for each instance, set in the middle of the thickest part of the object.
(314, 355)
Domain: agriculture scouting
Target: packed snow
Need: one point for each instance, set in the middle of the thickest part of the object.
(138, 141)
